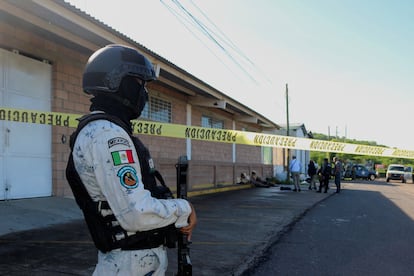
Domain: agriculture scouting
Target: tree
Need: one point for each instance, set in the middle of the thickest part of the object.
(354, 158)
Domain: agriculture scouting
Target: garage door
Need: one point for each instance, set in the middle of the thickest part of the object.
(25, 149)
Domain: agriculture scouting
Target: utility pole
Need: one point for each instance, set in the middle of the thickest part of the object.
(287, 110)
(287, 131)
(346, 132)
(329, 139)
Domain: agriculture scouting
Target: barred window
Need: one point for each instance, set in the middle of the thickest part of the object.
(267, 155)
(157, 110)
(210, 122)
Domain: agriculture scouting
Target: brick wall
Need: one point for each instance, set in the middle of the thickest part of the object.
(67, 95)
(211, 163)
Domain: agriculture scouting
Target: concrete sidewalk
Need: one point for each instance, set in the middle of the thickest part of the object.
(25, 214)
(234, 230)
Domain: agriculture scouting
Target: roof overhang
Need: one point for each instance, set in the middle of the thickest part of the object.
(64, 24)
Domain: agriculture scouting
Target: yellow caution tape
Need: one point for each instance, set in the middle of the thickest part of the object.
(38, 117)
(209, 134)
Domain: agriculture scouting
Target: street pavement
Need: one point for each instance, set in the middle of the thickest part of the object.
(47, 236)
(365, 231)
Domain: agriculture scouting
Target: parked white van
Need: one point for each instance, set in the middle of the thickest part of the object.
(399, 172)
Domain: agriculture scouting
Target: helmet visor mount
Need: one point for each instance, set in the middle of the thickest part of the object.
(113, 78)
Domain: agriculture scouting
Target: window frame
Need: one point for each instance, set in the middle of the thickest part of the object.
(156, 105)
(212, 122)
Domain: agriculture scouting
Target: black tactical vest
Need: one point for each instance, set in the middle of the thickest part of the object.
(105, 230)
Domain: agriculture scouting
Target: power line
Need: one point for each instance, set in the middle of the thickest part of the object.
(202, 27)
(181, 19)
(229, 42)
(226, 39)
(208, 33)
(219, 39)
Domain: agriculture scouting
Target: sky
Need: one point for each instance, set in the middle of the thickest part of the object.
(348, 64)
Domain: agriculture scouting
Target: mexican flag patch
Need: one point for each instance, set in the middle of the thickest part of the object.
(122, 157)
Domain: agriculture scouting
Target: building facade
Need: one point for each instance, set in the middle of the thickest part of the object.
(282, 156)
(44, 46)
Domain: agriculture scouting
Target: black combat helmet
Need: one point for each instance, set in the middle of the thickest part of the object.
(109, 65)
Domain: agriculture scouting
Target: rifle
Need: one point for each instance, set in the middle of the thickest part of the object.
(183, 251)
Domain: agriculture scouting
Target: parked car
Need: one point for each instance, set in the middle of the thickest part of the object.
(398, 172)
(359, 171)
(408, 174)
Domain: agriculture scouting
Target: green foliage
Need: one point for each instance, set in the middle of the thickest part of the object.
(353, 158)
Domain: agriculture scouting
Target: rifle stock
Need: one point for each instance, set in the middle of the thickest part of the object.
(183, 251)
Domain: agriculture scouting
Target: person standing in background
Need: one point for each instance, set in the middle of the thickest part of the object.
(312, 174)
(337, 173)
(325, 174)
(294, 168)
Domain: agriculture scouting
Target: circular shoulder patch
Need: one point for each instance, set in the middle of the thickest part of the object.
(128, 177)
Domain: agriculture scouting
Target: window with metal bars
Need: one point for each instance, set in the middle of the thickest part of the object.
(157, 110)
(267, 155)
(210, 122)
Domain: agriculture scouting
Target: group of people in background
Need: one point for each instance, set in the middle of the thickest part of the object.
(255, 180)
(323, 174)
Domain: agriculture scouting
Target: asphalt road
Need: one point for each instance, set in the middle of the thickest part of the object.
(367, 229)
(233, 231)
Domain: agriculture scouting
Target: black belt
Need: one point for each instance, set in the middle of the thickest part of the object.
(150, 239)
(139, 240)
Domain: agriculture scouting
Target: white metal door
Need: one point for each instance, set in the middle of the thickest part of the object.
(25, 153)
(3, 134)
